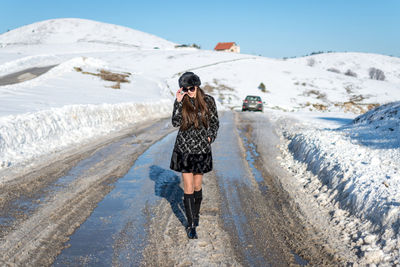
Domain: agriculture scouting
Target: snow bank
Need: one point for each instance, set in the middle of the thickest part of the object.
(26, 136)
(378, 128)
(358, 167)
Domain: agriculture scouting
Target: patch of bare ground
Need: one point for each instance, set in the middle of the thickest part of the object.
(107, 75)
(349, 89)
(225, 94)
(319, 96)
(279, 108)
(356, 103)
(315, 106)
(357, 108)
(304, 84)
(316, 93)
(348, 106)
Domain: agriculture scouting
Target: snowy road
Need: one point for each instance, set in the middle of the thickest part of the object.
(119, 204)
(24, 75)
(41, 208)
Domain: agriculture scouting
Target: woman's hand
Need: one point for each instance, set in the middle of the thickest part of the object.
(209, 139)
(180, 96)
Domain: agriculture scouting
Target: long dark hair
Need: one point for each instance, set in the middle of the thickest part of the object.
(190, 113)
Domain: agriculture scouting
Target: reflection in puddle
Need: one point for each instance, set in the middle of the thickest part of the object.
(25, 206)
(251, 157)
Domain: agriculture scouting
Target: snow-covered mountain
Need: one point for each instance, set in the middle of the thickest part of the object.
(72, 30)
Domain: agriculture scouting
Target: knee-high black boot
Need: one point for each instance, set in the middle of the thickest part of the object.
(188, 200)
(198, 196)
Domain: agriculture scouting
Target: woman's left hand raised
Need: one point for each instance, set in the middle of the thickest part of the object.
(180, 94)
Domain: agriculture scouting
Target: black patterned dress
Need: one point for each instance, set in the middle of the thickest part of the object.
(192, 150)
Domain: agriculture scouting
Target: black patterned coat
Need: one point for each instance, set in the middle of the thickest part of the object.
(192, 150)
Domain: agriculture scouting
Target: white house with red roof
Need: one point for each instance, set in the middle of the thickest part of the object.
(227, 47)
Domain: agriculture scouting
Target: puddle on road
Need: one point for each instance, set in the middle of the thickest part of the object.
(25, 206)
(115, 233)
(251, 157)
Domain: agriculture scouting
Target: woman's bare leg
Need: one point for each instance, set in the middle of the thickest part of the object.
(197, 180)
(188, 183)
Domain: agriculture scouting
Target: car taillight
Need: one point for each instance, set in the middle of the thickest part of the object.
(245, 101)
(259, 102)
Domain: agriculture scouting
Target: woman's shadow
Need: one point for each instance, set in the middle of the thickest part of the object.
(167, 186)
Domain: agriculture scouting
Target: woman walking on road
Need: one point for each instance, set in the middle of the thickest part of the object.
(195, 113)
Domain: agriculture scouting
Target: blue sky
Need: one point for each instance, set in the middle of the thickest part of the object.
(267, 28)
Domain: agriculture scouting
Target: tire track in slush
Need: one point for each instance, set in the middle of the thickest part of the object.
(116, 231)
(256, 240)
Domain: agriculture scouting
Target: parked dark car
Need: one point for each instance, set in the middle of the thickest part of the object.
(253, 102)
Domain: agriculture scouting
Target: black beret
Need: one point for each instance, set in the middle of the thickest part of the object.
(189, 79)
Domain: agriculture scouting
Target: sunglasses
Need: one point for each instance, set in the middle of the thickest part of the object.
(191, 89)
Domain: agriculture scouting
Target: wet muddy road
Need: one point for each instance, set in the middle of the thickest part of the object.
(119, 204)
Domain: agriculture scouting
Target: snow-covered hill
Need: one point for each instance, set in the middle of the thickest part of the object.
(358, 63)
(72, 30)
(293, 86)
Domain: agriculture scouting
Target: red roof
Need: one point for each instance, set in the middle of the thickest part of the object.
(223, 46)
